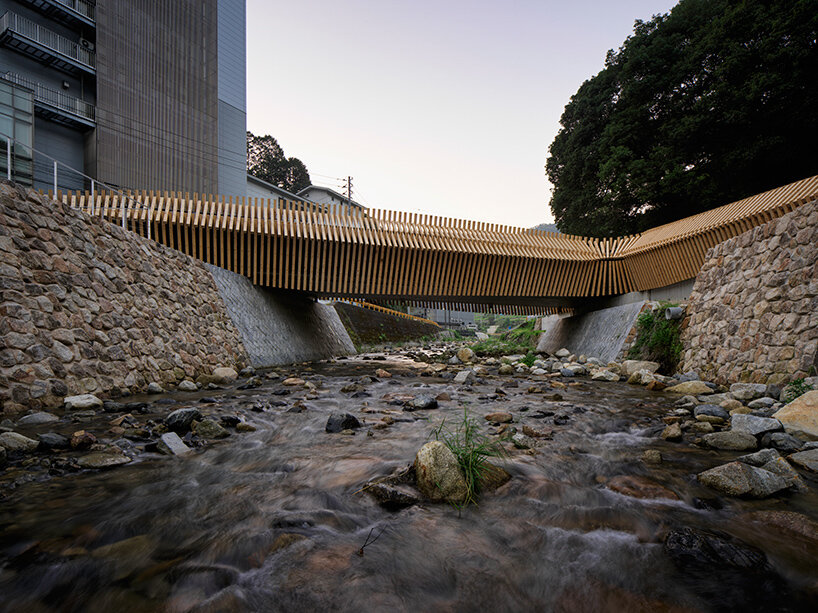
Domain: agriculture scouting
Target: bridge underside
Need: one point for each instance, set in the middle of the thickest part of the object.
(385, 256)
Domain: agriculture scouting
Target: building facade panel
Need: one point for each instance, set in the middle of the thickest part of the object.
(157, 106)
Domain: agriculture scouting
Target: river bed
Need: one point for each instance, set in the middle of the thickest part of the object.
(276, 519)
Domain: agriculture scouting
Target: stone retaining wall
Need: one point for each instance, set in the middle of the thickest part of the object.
(88, 307)
(753, 313)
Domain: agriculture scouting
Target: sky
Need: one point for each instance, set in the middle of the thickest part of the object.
(441, 107)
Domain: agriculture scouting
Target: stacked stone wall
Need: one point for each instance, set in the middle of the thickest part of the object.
(87, 307)
(753, 312)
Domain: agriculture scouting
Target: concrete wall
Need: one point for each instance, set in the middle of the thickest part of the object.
(604, 334)
(232, 95)
(277, 328)
(754, 307)
(368, 327)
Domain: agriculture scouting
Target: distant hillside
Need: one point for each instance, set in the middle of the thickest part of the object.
(546, 227)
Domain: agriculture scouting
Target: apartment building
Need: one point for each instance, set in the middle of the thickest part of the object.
(138, 94)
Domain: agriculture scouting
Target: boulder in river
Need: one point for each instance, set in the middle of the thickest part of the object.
(806, 459)
(53, 440)
(630, 367)
(37, 419)
(170, 444)
(730, 440)
(103, 459)
(14, 441)
(739, 479)
(465, 355)
(421, 402)
(754, 425)
(338, 422)
(181, 419)
(83, 401)
(800, 417)
(439, 477)
(209, 429)
(696, 388)
(639, 487)
(224, 374)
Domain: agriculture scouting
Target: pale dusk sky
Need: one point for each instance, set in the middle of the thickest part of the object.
(441, 107)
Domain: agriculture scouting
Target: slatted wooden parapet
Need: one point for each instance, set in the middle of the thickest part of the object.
(379, 255)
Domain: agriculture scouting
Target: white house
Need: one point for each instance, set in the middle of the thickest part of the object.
(325, 195)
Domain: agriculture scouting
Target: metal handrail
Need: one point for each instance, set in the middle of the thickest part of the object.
(29, 29)
(86, 9)
(54, 97)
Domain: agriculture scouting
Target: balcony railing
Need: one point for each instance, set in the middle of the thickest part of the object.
(77, 111)
(44, 39)
(80, 11)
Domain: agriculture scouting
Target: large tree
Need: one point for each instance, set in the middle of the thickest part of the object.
(266, 160)
(710, 103)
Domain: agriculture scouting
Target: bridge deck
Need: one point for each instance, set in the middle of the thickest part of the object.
(381, 255)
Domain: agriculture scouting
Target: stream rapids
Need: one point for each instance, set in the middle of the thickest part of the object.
(277, 520)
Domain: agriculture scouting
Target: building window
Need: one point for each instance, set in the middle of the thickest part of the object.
(17, 123)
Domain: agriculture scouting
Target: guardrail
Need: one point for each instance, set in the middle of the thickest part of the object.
(45, 37)
(380, 309)
(55, 98)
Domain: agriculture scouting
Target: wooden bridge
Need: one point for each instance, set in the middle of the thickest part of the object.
(379, 255)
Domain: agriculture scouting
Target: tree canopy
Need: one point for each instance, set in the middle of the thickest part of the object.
(710, 103)
(266, 160)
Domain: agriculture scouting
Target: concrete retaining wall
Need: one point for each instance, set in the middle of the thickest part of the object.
(373, 327)
(279, 328)
(605, 334)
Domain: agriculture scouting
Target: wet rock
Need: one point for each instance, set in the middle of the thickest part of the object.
(103, 459)
(492, 477)
(703, 427)
(781, 441)
(209, 429)
(762, 403)
(83, 401)
(800, 417)
(652, 456)
(630, 367)
(297, 381)
(739, 479)
(36, 419)
(187, 386)
(567, 372)
(82, 439)
(794, 526)
(337, 422)
(562, 353)
(656, 385)
(464, 377)
(12, 441)
(732, 441)
(465, 354)
(639, 487)
(754, 425)
(52, 440)
(393, 497)
(604, 374)
(698, 388)
(438, 474)
(170, 444)
(499, 417)
(805, 459)
(782, 468)
(155, 388)
(421, 402)
(672, 432)
(243, 426)
(506, 369)
(3, 456)
(726, 573)
(111, 406)
(712, 410)
(224, 375)
(443, 397)
(522, 441)
(747, 391)
(383, 374)
(181, 419)
(229, 421)
(759, 458)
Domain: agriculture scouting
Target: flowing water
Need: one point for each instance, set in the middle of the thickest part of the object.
(275, 520)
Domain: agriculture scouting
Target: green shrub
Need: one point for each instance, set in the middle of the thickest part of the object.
(796, 388)
(657, 339)
(471, 448)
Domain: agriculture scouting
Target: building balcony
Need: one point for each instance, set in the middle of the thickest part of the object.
(45, 46)
(72, 13)
(55, 105)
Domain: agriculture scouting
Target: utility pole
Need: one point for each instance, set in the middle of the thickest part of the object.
(349, 191)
